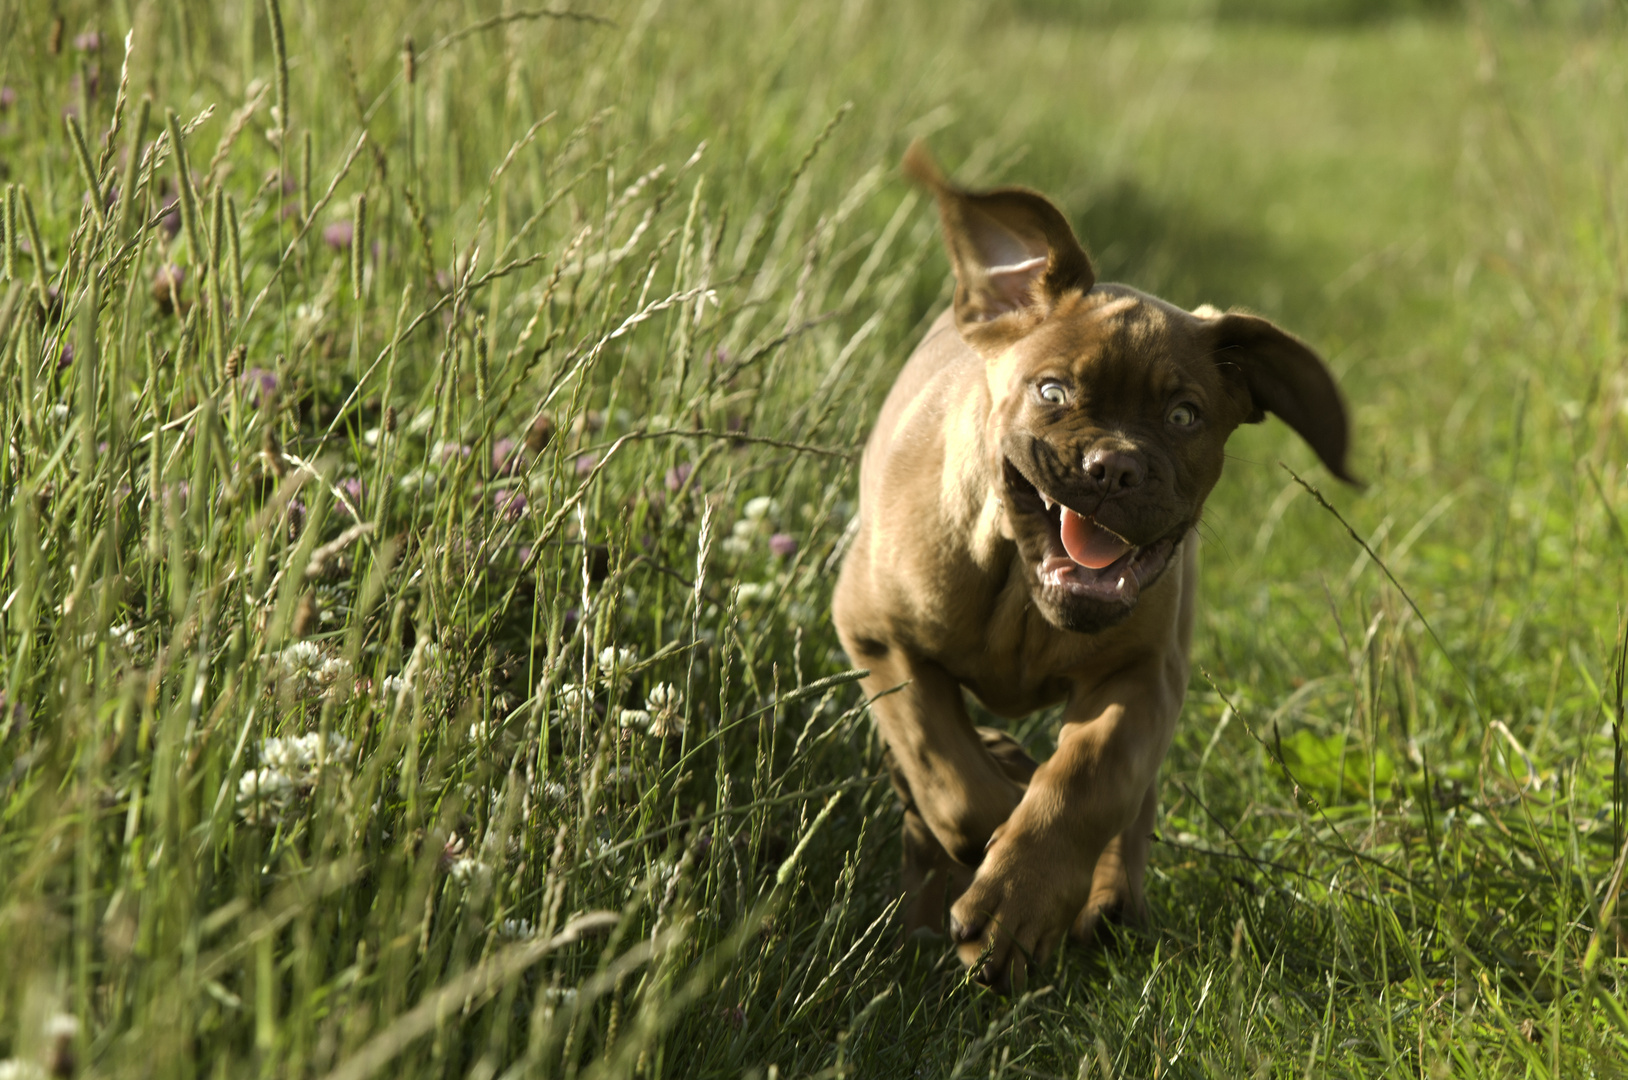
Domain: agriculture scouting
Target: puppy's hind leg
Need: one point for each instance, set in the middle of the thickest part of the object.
(1117, 891)
(1014, 761)
(931, 878)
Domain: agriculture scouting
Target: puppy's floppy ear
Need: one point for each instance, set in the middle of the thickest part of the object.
(1014, 253)
(1282, 376)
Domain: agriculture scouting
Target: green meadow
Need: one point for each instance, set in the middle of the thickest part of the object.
(428, 433)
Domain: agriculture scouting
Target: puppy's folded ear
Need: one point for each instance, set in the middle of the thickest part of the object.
(1282, 376)
(1014, 254)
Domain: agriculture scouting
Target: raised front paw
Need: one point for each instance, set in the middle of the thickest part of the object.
(1021, 903)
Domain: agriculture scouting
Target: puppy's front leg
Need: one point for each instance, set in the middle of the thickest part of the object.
(1037, 874)
(957, 786)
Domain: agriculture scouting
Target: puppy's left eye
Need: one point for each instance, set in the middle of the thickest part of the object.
(1054, 393)
(1183, 415)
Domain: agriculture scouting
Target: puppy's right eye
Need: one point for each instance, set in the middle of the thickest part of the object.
(1053, 393)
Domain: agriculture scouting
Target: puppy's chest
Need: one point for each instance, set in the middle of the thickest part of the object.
(1018, 665)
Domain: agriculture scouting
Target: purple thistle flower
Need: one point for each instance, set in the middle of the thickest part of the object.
(510, 503)
(678, 474)
(339, 235)
(586, 462)
(783, 544)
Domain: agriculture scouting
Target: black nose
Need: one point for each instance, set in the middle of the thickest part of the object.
(1113, 471)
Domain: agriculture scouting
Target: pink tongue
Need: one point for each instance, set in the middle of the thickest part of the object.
(1089, 544)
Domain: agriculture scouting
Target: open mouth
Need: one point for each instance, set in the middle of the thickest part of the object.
(1083, 557)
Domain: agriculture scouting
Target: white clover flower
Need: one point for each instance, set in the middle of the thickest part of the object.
(298, 754)
(664, 697)
(756, 592)
(572, 696)
(634, 719)
(263, 794)
(291, 754)
(555, 792)
(62, 1026)
(744, 529)
(466, 869)
(619, 657)
(735, 545)
(303, 659)
(666, 704)
(121, 634)
(566, 996)
(393, 685)
(762, 507)
(516, 929)
(334, 669)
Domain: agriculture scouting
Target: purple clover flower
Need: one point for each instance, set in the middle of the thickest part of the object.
(509, 503)
(89, 41)
(8, 98)
(503, 459)
(586, 462)
(678, 474)
(783, 544)
(339, 235)
(261, 384)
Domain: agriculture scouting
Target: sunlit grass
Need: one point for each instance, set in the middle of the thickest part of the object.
(421, 508)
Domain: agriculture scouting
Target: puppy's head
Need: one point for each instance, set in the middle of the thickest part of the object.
(1109, 408)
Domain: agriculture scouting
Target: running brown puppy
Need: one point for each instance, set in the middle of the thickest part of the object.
(1026, 525)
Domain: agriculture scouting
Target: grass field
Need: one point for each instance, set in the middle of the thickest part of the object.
(423, 483)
